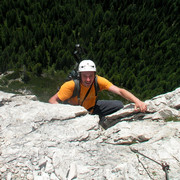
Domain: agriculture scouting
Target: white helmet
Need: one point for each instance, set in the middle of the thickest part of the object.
(87, 65)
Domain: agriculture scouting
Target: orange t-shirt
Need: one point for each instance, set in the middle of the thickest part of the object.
(66, 92)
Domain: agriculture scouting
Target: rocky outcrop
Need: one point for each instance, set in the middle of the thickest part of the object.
(44, 141)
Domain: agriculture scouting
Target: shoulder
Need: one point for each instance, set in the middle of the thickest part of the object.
(103, 82)
(66, 90)
(68, 84)
(101, 79)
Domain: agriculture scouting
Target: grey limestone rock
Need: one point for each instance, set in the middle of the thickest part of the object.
(63, 142)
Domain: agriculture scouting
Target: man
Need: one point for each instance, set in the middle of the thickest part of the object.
(87, 97)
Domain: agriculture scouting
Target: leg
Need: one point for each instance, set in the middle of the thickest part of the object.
(105, 107)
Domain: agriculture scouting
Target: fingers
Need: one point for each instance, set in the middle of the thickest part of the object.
(142, 107)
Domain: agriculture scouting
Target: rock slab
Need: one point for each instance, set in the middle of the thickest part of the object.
(53, 142)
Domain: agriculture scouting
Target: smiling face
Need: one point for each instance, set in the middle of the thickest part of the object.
(87, 78)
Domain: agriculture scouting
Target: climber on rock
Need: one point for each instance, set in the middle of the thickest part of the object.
(84, 92)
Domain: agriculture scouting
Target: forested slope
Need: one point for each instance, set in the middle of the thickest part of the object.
(134, 43)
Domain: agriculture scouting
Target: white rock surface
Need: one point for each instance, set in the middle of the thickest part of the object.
(56, 142)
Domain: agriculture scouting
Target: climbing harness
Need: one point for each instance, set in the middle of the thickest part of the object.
(164, 166)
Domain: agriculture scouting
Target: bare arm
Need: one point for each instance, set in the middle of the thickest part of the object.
(54, 99)
(129, 96)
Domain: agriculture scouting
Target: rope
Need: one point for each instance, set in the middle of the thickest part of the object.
(164, 166)
(144, 167)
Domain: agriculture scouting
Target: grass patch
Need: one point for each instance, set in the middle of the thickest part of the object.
(13, 75)
(3, 81)
(16, 85)
(43, 87)
(172, 118)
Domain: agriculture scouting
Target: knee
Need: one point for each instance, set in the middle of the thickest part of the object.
(119, 104)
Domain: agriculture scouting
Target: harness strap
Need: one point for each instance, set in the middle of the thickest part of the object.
(87, 94)
(96, 86)
(77, 90)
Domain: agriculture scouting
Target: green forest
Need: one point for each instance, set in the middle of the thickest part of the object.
(134, 43)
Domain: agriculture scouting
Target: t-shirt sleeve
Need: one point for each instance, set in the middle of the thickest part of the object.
(104, 84)
(66, 90)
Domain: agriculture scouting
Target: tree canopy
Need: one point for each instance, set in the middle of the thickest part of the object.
(134, 43)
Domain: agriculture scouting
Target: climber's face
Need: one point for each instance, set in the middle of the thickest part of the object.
(87, 78)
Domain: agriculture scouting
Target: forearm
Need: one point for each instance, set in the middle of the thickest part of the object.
(139, 105)
(54, 99)
(124, 93)
(127, 95)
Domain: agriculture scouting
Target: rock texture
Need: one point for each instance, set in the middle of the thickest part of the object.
(41, 141)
